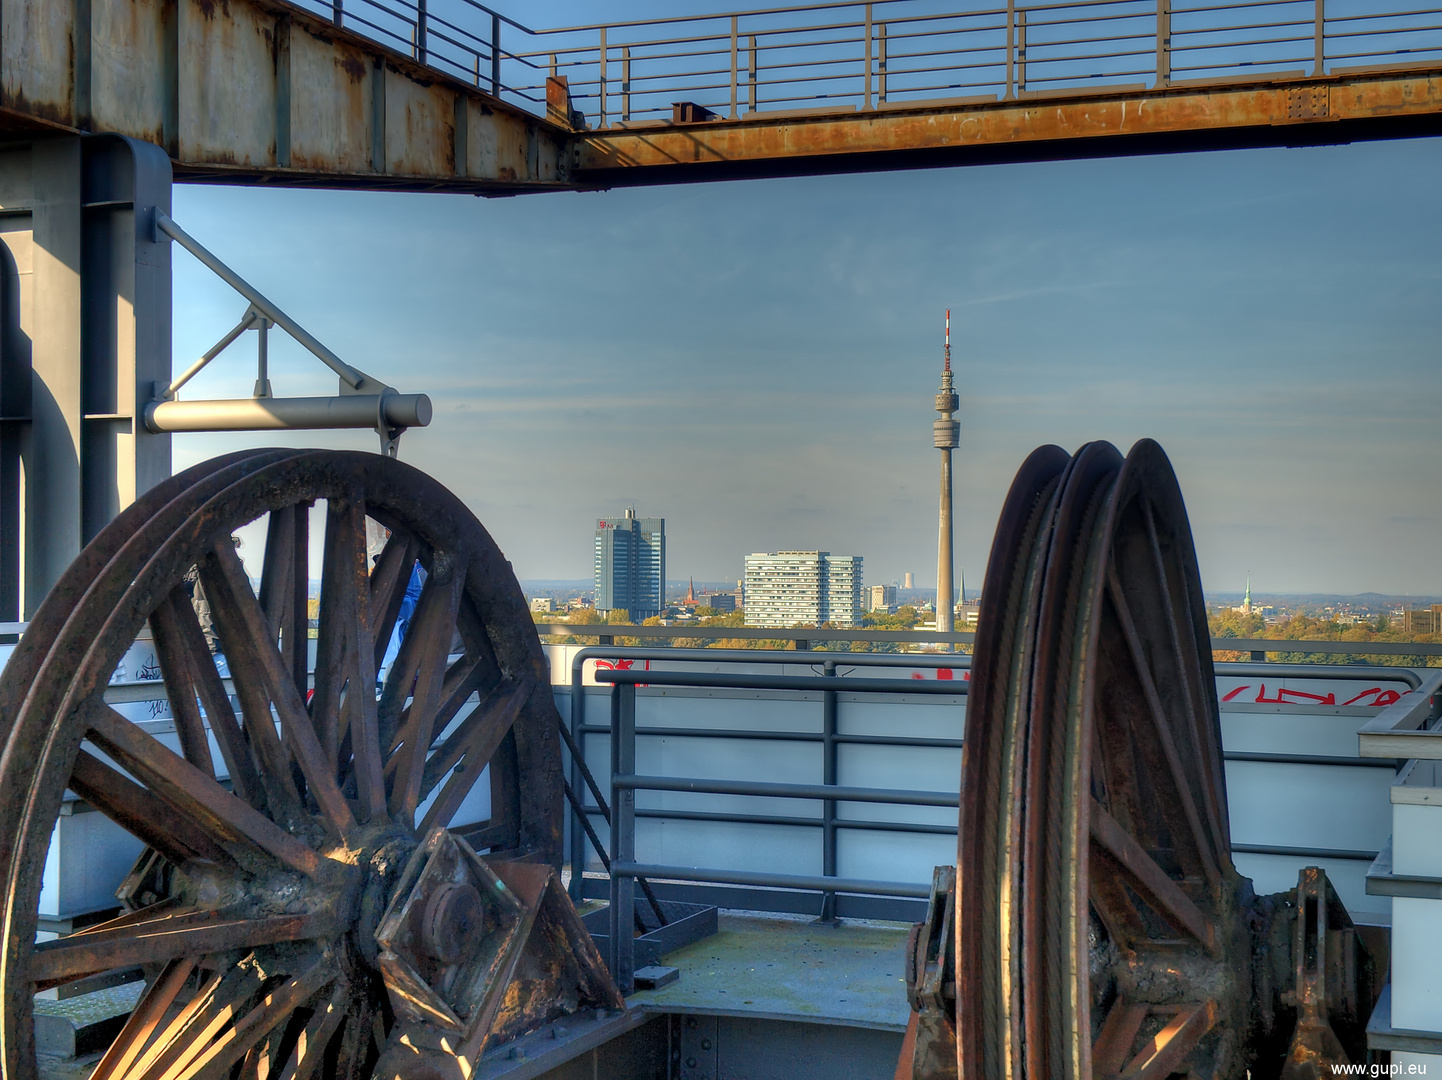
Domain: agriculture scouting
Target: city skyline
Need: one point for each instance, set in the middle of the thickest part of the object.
(1261, 313)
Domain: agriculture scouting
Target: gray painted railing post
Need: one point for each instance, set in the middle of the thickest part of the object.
(337, 11)
(421, 31)
(866, 104)
(578, 840)
(828, 807)
(601, 79)
(1021, 51)
(625, 82)
(622, 946)
(755, 68)
(735, 69)
(1319, 35)
(1164, 42)
(1010, 48)
(881, 64)
(496, 56)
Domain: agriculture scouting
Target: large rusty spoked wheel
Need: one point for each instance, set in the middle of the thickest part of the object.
(1101, 923)
(283, 824)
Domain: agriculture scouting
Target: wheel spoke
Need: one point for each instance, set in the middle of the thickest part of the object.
(1165, 1051)
(142, 814)
(1208, 775)
(234, 1043)
(388, 589)
(1202, 837)
(257, 666)
(176, 622)
(145, 1020)
(309, 1052)
(435, 625)
(164, 939)
(216, 1005)
(1113, 1048)
(485, 739)
(356, 1039)
(463, 679)
(1157, 889)
(190, 791)
(275, 579)
(481, 733)
(344, 699)
(179, 676)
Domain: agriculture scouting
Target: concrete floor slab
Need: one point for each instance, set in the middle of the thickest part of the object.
(790, 969)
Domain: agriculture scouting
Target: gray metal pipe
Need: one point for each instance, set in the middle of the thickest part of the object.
(285, 414)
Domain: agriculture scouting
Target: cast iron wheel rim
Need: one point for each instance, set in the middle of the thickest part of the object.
(1123, 898)
(281, 882)
(987, 1036)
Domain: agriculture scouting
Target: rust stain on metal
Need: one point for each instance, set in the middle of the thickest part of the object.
(1106, 114)
(330, 86)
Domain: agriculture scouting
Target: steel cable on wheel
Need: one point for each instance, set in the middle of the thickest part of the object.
(315, 860)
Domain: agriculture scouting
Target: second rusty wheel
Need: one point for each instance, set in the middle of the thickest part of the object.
(1101, 923)
(314, 902)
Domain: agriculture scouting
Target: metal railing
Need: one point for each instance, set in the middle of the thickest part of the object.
(803, 639)
(828, 736)
(889, 53)
(620, 812)
(625, 782)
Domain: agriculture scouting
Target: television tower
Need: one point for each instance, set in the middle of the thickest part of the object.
(946, 436)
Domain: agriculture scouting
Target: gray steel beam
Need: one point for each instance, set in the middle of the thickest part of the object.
(85, 302)
(253, 90)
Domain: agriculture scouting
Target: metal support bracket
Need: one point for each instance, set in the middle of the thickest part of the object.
(363, 401)
(931, 983)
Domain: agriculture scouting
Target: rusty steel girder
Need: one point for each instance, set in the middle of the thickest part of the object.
(1100, 927)
(309, 902)
(1276, 109)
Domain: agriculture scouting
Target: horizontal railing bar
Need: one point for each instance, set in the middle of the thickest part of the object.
(779, 736)
(1252, 43)
(1382, 15)
(1273, 645)
(744, 14)
(790, 822)
(803, 882)
(1305, 852)
(843, 684)
(1252, 670)
(753, 632)
(1260, 67)
(1243, 4)
(1377, 33)
(1361, 648)
(1308, 759)
(766, 789)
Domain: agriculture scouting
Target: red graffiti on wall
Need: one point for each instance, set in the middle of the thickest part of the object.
(1378, 697)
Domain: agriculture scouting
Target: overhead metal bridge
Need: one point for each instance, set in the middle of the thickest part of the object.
(453, 95)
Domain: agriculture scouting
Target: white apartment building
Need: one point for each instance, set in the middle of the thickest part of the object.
(783, 588)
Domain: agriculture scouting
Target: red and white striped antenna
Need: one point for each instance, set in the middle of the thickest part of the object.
(948, 339)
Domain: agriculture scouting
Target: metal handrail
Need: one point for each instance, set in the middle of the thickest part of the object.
(579, 728)
(625, 871)
(643, 66)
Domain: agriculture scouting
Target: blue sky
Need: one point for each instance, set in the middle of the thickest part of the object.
(755, 361)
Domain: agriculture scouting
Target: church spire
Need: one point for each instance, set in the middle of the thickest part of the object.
(1247, 597)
